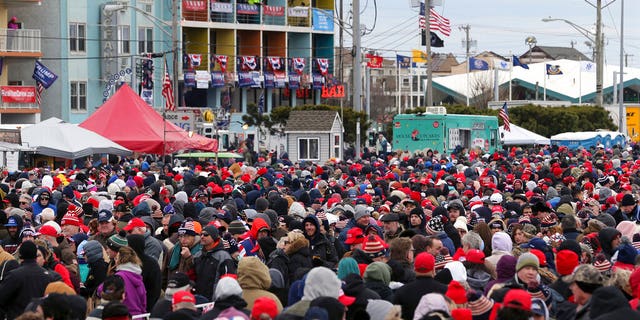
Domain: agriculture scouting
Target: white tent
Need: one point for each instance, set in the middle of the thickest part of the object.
(521, 136)
(56, 138)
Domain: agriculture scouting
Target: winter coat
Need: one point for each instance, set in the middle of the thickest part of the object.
(254, 279)
(245, 247)
(209, 266)
(151, 275)
(135, 292)
(153, 247)
(409, 295)
(279, 260)
(605, 236)
(97, 274)
(21, 285)
(610, 303)
(321, 248)
(401, 271)
(383, 290)
(354, 287)
(222, 304)
(300, 261)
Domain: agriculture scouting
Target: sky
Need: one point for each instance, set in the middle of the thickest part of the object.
(500, 26)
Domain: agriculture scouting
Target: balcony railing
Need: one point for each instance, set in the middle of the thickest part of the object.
(20, 40)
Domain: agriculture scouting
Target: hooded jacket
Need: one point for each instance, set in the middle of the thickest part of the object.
(377, 277)
(300, 261)
(320, 246)
(151, 275)
(254, 279)
(135, 292)
(246, 246)
(209, 266)
(319, 282)
(501, 245)
(354, 287)
(21, 285)
(605, 236)
(227, 294)
(610, 303)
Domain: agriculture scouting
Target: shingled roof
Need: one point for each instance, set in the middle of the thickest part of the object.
(557, 53)
(310, 120)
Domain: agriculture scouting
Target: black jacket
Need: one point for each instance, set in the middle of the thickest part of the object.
(354, 287)
(300, 260)
(409, 295)
(209, 266)
(21, 285)
(610, 303)
(151, 275)
(322, 249)
(280, 261)
(222, 304)
(381, 289)
(97, 274)
(401, 271)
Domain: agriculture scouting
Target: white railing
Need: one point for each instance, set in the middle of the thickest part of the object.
(20, 40)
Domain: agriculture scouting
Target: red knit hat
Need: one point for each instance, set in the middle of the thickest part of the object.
(456, 292)
(70, 219)
(264, 305)
(566, 261)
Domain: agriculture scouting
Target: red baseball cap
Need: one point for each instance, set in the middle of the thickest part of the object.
(134, 223)
(518, 299)
(48, 230)
(183, 296)
(354, 236)
(424, 262)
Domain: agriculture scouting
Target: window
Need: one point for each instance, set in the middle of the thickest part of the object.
(308, 149)
(336, 146)
(145, 40)
(124, 37)
(78, 96)
(77, 37)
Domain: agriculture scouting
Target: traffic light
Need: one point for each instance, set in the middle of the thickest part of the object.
(147, 74)
(372, 139)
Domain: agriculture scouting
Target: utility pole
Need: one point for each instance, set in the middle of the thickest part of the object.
(600, 57)
(621, 110)
(427, 14)
(357, 72)
(174, 41)
(467, 45)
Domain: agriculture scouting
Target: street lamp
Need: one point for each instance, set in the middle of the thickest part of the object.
(531, 42)
(174, 45)
(598, 40)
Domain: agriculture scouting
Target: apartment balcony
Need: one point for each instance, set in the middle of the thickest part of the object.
(20, 43)
(18, 99)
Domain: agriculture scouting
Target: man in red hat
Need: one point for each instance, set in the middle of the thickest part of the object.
(409, 295)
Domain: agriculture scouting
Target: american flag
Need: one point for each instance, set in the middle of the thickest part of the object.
(39, 90)
(167, 89)
(505, 117)
(436, 23)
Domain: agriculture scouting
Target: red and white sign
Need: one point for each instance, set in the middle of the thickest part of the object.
(18, 94)
(273, 11)
(194, 5)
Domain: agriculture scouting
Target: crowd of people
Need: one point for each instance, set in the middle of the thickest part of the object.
(538, 233)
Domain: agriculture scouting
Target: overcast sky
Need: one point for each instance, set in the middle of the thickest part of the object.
(501, 26)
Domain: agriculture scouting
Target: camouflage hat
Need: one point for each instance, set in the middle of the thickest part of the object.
(585, 273)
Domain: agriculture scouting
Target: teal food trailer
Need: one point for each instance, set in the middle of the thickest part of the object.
(445, 132)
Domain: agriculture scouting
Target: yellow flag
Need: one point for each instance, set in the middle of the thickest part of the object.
(418, 56)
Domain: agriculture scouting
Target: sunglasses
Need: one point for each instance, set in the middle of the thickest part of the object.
(44, 198)
(205, 234)
(23, 202)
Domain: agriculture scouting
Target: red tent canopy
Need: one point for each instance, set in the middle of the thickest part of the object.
(129, 121)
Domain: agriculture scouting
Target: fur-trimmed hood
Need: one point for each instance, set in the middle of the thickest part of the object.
(296, 246)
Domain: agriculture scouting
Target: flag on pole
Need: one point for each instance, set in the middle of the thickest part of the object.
(505, 117)
(374, 61)
(418, 56)
(167, 89)
(403, 61)
(517, 63)
(439, 23)
(553, 70)
(477, 64)
(39, 90)
(500, 64)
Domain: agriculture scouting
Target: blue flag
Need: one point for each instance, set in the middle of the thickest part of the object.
(403, 61)
(553, 70)
(516, 63)
(477, 64)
